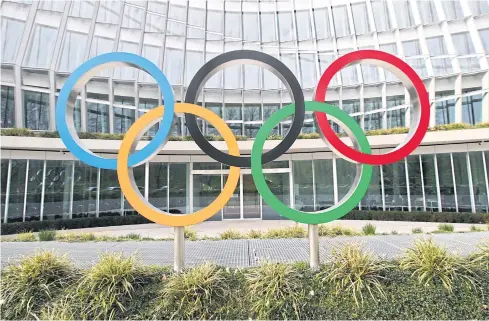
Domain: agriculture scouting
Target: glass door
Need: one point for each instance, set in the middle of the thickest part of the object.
(251, 198)
(232, 210)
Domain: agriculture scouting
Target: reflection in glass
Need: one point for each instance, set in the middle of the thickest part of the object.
(73, 52)
(84, 190)
(360, 18)
(158, 185)
(381, 15)
(429, 180)
(404, 15)
(445, 112)
(479, 182)
(345, 173)
(133, 17)
(462, 182)
(447, 190)
(232, 211)
(139, 178)
(373, 198)
(396, 118)
(206, 189)
(415, 183)
(97, 118)
(252, 112)
(303, 185)
(372, 103)
(472, 109)
(373, 121)
(57, 189)
(453, 9)
(36, 110)
(82, 9)
(109, 11)
(34, 190)
(3, 186)
(251, 198)
(340, 19)
(17, 188)
(7, 112)
(323, 181)
(280, 187)
(395, 188)
(179, 173)
(321, 20)
(232, 112)
(110, 194)
(123, 119)
(427, 11)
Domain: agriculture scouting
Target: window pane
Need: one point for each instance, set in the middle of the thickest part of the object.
(34, 190)
(196, 17)
(41, 47)
(73, 52)
(395, 188)
(252, 77)
(12, 31)
(232, 112)
(206, 189)
(472, 109)
(429, 179)
(323, 180)
(109, 12)
(415, 183)
(17, 188)
(82, 9)
(373, 198)
(178, 188)
(110, 194)
(462, 181)
(381, 15)
(372, 103)
(177, 12)
(214, 22)
(174, 65)
(427, 11)
(445, 112)
(36, 110)
(286, 28)
(463, 43)
(351, 106)
(268, 27)
(478, 182)
(303, 185)
(85, 190)
(308, 70)
(436, 46)
(57, 189)
(195, 60)
(340, 19)
(7, 111)
(97, 118)
(251, 130)
(303, 25)
(123, 119)
(447, 190)
(155, 23)
(373, 121)
(360, 18)
(268, 110)
(478, 7)
(321, 19)
(453, 9)
(411, 48)
(233, 24)
(133, 17)
(252, 113)
(396, 118)
(404, 15)
(346, 172)
(484, 35)
(250, 27)
(139, 178)
(280, 187)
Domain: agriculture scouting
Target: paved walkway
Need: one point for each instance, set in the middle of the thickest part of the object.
(239, 253)
(213, 229)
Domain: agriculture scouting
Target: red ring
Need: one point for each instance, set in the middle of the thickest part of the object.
(396, 154)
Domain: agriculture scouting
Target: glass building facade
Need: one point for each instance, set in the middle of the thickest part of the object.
(446, 42)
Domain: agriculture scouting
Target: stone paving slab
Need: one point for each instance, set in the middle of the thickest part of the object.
(238, 253)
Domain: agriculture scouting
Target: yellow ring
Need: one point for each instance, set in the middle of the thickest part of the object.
(133, 195)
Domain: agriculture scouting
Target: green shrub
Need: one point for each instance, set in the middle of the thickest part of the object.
(474, 228)
(76, 237)
(430, 263)
(445, 228)
(335, 230)
(275, 291)
(481, 257)
(47, 235)
(105, 290)
(25, 237)
(417, 230)
(275, 137)
(230, 234)
(295, 231)
(132, 236)
(309, 136)
(450, 127)
(355, 272)
(16, 132)
(190, 233)
(200, 293)
(369, 229)
(482, 125)
(394, 232)
(27, 287)
(254, 234)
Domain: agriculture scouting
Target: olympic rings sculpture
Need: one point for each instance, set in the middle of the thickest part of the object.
(128, 157)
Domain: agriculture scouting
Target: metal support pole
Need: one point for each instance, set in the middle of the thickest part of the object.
(313, 230)
(178, 249)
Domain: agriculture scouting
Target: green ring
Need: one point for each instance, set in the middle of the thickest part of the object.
(347, 203)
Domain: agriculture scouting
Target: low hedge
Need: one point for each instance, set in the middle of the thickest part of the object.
(76, 223)
(211, 292)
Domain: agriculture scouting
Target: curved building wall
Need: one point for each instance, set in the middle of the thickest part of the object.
(446, 42)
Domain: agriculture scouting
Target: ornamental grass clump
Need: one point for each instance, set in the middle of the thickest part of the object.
(25, 237)
(369, 229)
(295, 231)
(336, 230)
(254, 234)
(355, 272)
(47, 235)
(276, 291)
(190, 234)
(106, 289)
(429, 263)
(230, 234)
(481, 257)
(200, 293)
(36, 280)
(445, 228)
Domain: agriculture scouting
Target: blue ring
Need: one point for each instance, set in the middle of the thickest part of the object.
(141, 155)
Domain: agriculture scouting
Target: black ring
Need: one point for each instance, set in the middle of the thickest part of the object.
(256, 58)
